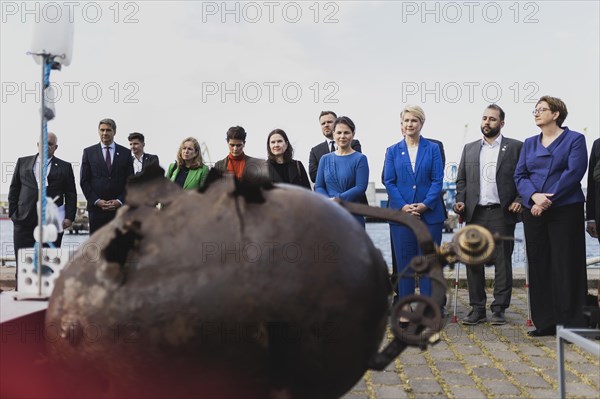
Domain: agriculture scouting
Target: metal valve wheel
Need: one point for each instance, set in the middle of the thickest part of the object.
(424, 320)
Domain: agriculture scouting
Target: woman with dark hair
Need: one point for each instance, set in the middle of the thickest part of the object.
(344, 173)
(282, 168)
(548, 177)
(237, 162)
(189, 172)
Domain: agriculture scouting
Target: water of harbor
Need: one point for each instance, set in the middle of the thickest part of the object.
(379, 233)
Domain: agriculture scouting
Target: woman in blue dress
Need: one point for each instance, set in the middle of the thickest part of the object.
(413, 174)
(344, 173)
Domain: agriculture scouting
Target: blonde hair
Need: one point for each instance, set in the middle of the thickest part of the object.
(416, 111)
(197, 161)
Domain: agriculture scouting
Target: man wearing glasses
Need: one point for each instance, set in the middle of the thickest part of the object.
(238, 163)
(23, 194)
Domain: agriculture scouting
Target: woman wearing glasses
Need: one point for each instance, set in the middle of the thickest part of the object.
(189, 172)
(282, 168)
(548, 176)
(238, 163)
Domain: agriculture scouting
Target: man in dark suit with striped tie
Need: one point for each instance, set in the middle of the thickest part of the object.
(105, 168)
(140, 159)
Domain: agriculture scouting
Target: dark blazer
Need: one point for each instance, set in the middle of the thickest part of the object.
(423, 185)
(593, 187)
(556, 169)
(468, 177)
(147, 159)
(95, 181)
(23, 191)
(318, 151)
(296, 174)
(255, 168)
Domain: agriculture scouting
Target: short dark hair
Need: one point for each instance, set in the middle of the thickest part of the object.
(109, 122)
(346, 121)
(323, 113)
(289, 152)
(556, 105)
(236, 133)
(136, 136)
(497, 108)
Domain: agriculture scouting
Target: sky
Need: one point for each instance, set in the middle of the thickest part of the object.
(176, 69)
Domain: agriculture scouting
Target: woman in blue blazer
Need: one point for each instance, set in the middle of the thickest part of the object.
(548, 177)
(413, 175)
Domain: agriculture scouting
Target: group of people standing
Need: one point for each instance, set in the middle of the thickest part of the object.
(500, 182)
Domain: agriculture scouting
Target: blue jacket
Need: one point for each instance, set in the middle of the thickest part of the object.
(423, 185)
(556, 169)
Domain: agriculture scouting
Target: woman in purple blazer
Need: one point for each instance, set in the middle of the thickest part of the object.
(413, 174)
(548, 176)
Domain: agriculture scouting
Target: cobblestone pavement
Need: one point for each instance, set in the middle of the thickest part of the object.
(484, 361)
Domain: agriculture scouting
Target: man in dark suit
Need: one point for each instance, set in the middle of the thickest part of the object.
(105, 168)
(140, 159)
(592, 205)
(23, 194)
(326, 120)
(486, 194)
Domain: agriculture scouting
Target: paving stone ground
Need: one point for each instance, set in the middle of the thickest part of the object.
(484, 361)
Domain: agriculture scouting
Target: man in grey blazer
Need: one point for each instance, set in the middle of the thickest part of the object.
(486, 195)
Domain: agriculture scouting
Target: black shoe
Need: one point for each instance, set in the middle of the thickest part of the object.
(498, 318)
(474, 318)
(544, 332)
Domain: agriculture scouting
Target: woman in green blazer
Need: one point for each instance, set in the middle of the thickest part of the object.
(189, 172)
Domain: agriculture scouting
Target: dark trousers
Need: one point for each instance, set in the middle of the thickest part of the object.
(557, 271)
(23, 238)
(493, 220)
(99, 218)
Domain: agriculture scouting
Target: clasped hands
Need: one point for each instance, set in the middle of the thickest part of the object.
(415, 209)
(108, 205)
(541, 203)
